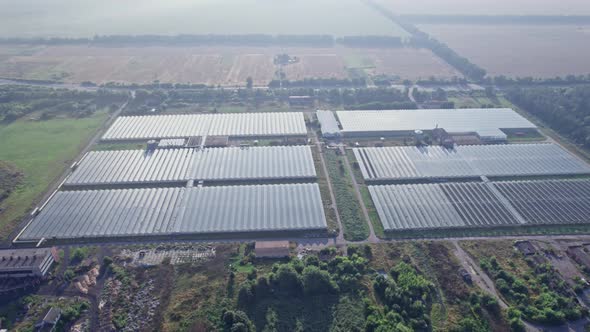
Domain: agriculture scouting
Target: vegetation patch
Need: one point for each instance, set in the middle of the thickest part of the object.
(355, 227)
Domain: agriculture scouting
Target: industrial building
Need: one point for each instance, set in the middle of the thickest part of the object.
(26, 263)
(169, 166)
(91, 214)
(136, 128)
(472, 161)
(482, 204)
(487, 124)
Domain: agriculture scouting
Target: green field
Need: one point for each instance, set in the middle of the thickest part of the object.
(41, 150)
(66, 18)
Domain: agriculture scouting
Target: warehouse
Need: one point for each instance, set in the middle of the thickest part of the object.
(24, 263)
(472, 161)
(328, 123)
(487, 124)
(169, 166)
(134, 128)
(178, 211)
(477, 205)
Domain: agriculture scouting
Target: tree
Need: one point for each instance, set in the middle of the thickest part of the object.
(316, 281)
(271, 321)
(249, 82)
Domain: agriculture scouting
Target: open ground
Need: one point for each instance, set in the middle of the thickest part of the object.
(226, 66)
(519, 50)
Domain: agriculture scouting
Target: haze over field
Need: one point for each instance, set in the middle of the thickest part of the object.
(67, 18)
(488, 7)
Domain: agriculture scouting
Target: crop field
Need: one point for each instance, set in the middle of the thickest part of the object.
(226, 66)
(66, 18)
(519, 50)
(488, 7)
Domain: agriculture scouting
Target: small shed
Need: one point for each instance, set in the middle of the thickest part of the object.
(50, 320)
(271, 249)
(525, 247)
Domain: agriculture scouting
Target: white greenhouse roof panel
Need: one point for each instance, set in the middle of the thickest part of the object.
(180, 165)
(170, 211)
(439, 206)
(262, 208)
(410, 163)
(485, 122)
(243, 163)
(189, 125)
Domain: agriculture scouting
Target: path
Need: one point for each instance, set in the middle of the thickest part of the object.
(372, 237)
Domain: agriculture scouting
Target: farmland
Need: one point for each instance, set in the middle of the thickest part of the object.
(222, 65)
(488, 7)
(303, 17)
(543, 51)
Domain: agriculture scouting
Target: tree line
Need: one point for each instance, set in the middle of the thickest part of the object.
(567, 110)
(212, 39)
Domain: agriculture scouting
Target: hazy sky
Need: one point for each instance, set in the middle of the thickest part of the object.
(489, 7)
(89, 17)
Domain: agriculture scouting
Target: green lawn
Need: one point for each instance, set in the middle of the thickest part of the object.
(41, 150)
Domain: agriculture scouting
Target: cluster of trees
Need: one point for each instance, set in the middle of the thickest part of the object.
(379, 98)
(554, 304)
(371, 41)
(338, 284)
(18, 101)
(567, 80)
(567, 110)
(406, 296)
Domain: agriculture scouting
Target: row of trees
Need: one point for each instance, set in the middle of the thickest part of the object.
(19, 100)
(567, 110)
(211, 39)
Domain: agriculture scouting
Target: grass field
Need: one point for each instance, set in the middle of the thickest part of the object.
(133, 17)
(227, 66)
(41, 150)
(519, 50)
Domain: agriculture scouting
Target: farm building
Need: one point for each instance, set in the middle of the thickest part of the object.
(271, 249)
(170, 166)
(471, 204)
(487, 124)
(329, 124)
(133, 128)
(24, 263)
(472, 161)
(179, 211)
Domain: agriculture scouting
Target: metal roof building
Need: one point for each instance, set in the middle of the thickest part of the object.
(328, 124)
(408, 163)
(169, 211)
(484, 122)
(180, 165)
(189, 125)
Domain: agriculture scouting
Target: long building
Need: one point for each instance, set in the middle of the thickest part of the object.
(102, 214)
(485, 123)
(23, 263)
(134, 128)
(180, 165)
(484, 204)
(472, 161)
